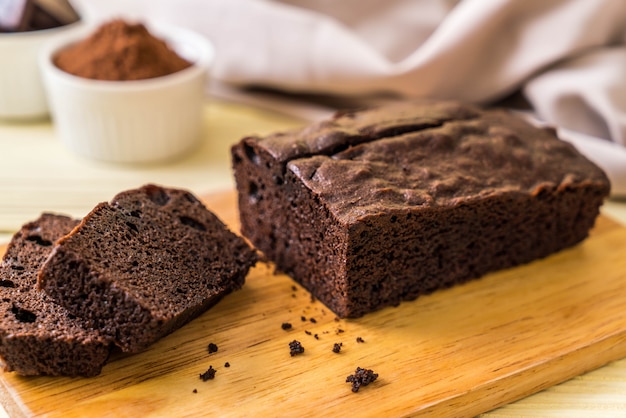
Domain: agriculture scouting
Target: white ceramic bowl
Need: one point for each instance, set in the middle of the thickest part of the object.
(22, 95)
(135, 121)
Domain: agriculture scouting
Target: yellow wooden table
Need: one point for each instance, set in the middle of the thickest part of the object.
(37, 174)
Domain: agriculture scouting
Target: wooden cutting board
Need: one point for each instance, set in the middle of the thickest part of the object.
(458, 352)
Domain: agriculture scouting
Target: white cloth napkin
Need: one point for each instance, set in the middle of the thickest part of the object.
(567, 56)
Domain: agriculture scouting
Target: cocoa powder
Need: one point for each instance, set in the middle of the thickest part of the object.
(118, 51)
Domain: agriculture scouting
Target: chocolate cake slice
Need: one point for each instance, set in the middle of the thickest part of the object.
(144, 264)
(37, 336)
(382, 205)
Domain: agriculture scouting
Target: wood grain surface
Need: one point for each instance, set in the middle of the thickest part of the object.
(458, 352)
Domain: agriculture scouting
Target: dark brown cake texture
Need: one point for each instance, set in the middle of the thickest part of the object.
(373, 207)
(144, 264)
(37, 336)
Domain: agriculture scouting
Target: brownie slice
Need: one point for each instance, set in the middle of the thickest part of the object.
(37, 336)
(144, 264)
(382, 205)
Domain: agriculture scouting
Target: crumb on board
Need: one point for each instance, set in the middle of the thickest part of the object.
(361, 377)
(212, 348)
(208, 375)
(360, 340)
(295, 348)
(286, 326)
(337, 347)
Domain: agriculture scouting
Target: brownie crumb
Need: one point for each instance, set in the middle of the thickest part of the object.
(337, 347)
(303, 318)
(340, 331)
(294, 288)
(212, 348)
(360, 340)
(361, 377)
(295, 348)
(307, 332)
(313, 320)
(286, 326)
(227, 364)
(195, 391)
(208, 375)
(317, 337)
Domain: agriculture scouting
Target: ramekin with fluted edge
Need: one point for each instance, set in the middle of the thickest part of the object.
(138, 121)
(22, 95)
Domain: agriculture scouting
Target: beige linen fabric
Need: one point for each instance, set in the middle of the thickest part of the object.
(567, 56)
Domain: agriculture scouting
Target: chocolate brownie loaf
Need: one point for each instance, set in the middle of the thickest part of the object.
(37, 336)
(144, 264)
(378, 206)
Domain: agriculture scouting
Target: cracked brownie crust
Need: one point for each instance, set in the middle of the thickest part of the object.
(378, 206)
